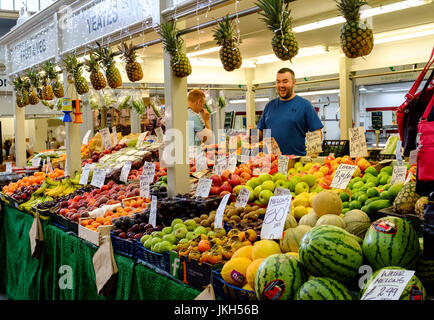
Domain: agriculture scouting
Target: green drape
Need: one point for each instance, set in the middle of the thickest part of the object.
(23, 277)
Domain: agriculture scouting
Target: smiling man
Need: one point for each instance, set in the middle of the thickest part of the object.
(289, 116)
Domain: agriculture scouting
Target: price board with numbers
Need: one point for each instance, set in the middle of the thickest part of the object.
(201, 162)
(149, 171)
(274, 219)
(125, 171)
(282, 164)
(106, 139)
(313, 142)
(343, 175)
(203, 187)
(282, 192)
(398, 175)
(115, 136)
(84, 177)
(218, 221)
(98, 177)
(232, 162)
(153, 212)
(243, 198)
(220, 165)
(358, 147)
(144, 187)
(389, 285)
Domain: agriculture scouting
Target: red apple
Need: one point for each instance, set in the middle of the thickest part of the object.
(234, 180)
(214, 190)
(223, 193)
(226, 187)
(216, 180)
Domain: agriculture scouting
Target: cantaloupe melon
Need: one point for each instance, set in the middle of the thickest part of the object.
(292, 238)
(331, 219)
(327, 202)
(243, 252)
(309, 220)
(290, 222)
(357, 222)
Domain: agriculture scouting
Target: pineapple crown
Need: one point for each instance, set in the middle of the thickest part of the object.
(276, 14)
(128, 53)
(26, 84)
(104, 56)
(72, 66)
(92, 64)
(350, 9)
(50, 71)
(224, 32)
(18, 84)
(34, 78)
(171, 42)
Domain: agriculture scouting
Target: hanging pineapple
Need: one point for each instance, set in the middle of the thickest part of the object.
(105, 57)
(25, 91)
(56, 85)
(230, 54)
(174, 46)
(133, 68)
(34, 82)
(357, 39)
(72, 67)
(96, 77)
(18, 87)
(47, 89)
(277, 17)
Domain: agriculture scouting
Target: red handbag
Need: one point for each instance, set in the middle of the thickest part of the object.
(410, 96)
(425, 153)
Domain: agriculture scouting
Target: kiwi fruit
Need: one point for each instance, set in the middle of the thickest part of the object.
(205, 223)
(197, 219)
(203, 217)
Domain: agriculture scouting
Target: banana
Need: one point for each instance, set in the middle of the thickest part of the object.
(56, 191)
(52, 182)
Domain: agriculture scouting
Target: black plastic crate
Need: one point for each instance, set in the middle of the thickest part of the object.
(64, 223)
(160, 261)
(123, 246)
(227, 291)
(339, 148)
(375, 155)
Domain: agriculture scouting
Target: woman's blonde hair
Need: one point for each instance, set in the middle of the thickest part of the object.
(195, 95)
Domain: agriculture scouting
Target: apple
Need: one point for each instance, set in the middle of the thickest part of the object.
(191, 224)
(279, 176)
(268, 185)
(257, 191)
(176, 221)
(167, 230)
(309, 179)
(301, 187)
(253, 183)
(234, 180)
(214, 190)
(265, 177)
(179, 225)
(200, 230)
(237, 189)
(293, 182)
(316, 188)
(282, 184)
(226, 187)
(180, 232)
(170, 237)
(265, 195)
(216, 180)
(252, 194)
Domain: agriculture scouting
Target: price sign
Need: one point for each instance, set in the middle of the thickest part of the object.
(410, 175)
(358, 146)
(159, 133)
(106, 139)
(43, 166)
(282, 164)
(86, 137)
(8, 167)
(232, 162)
(220, 165)
(313, 142)
(398, 152)
(203, 187)
(98, 178)
(343, 175)
(274, 219)
(282, 192)
(149, 171)
(153, 212)
(389, 285)
(271, 145)
(84, 174)
(144, 187)
(233, 143)
(218, 221)
(49, 166)
(115, 136)
(36, 162)
(413, 157)
(245, 155)
(201, 163)
(141, 139)
(243, 198)
(125, 171)
(398, 175)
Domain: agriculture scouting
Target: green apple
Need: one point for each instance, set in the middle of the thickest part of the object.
(265, 177)
(237, 189)
(268, 185)
(265, 195)
(201, 230)
(176, 221)
(282, 184)
(316, 188)
(165, 246)
(253, 183)
(301, 187)
(191, 235)
(180, 232)
(170, 237)
(191, 224)
(144, 238)
(293, 182)
(309, 179)
(167, 230)
(179, 225)
(148, 243)
(184, 240)
(292, 171)
(279, 176)
(257, 191)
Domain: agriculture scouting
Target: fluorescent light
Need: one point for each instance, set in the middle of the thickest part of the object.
(302, 52)
(363, 14)
(200, 62)
(313, 93)
(404, 34)
(244, 100)
(202, 52)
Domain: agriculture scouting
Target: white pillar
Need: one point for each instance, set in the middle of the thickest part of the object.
(20, 135)
(41, 127)
(250, 98)
(346, 96)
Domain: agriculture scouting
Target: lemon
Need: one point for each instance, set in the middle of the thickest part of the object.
(300, 211)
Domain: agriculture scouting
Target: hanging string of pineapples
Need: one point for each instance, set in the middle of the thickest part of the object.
(75, 69)
(47, 89)
(53, 77)
(173, 45)
(357, 39)
(18, 88)
(132, 68)
(97, 79)
(230, 54)
(106, 58)
(34, 88)
(277, 16)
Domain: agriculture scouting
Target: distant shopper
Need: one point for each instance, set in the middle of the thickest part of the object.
(29, 151)
(199, 130)
(289, 116)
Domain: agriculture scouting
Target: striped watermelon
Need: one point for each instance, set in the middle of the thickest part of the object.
(323, 289)
(330, 251)
(391, 241)
(279, 277)
(414, 290)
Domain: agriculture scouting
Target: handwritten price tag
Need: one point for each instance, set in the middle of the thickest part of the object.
(98, 178)
(358, 147)
(203, 187)
(86, 137)
(144, 187)
(201, 163)
(115, 136)
(8, 167)
(159, 133)
(313, 142)
(398, 152)
(233, 143)
(245, 155)
(232, 162)
(398, 175)
(274, 219)
(153, 212)
(282, 164)
(105, 137)
(49, 166)
(218, 221)
(220, 165)
(343, 175)
(125, 171)
(389, 285)
(85, 174)
(413, 157)
(149, 171)
(282, 192)
(243, 198)
(141, 139)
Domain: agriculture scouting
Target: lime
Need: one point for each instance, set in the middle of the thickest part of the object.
(372, 171)
(384, 179)
(346, 204)
(355, 204)
(362, 199)
(372, 192)
(356, 179)
(345, 210)
(374, 180)
(387, 169)
(344, 196)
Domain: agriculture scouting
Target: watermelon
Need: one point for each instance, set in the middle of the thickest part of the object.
(279, 277)
(414, 290)
(391, 241)
(323, 289)
(330, 251)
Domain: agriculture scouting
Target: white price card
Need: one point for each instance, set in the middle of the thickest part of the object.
(389, 285)
(232, 162)
(233, 143)
(282, 164)
(271, 145)
(313, 142)
(413, 157)
(86, 137)
(282, 192)
(36, 162)
(84, 177)
(243, 198)
(245, 155)
(358, 147)
(153, 212)
(144, 187)
(398, 152)
(220, 165)
(8, 167)
(274, 219)
(159, 134)
(98, 178)
(203, 187)
(125, 171)
(218, 221)
(43, 166)
(49, 166)
(343, 175)
(141, 139)
(115, 136)
(398, 175)
(201, 163)
(149, 171)
(106, 139)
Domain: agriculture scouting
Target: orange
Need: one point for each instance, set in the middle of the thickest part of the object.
(99, 219)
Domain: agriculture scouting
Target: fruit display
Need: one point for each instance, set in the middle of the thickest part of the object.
(106, 59)
(76, 70)
(130, 227)
(244, 218)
